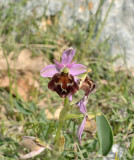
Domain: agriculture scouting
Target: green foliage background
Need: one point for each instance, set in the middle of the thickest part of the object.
(115, 98)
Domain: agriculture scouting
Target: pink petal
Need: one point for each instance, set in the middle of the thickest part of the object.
(77, 69)
(82, 105)
(70, 98)
(59, 65)
(80, 129)
(67, 56)
(49, 71)
(70, 65)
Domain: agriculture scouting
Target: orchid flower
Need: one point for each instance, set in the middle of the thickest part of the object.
(83, 109)
(88, 86)
(63, 73)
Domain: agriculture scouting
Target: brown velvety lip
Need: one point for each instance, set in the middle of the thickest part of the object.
(88, 85)
(63, 84)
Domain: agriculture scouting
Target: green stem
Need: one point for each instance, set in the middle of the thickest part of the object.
(62, 116)
(10, 81)
(104, 21)
(92, 25)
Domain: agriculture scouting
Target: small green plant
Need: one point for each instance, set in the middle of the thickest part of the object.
(65, 82)
(114, 89)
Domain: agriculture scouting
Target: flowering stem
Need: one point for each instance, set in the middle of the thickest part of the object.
(62, 116)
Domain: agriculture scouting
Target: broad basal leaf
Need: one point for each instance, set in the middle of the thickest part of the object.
(105, 134)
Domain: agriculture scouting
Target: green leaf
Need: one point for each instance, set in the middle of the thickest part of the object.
(79, 115)
(32, 107)
(105, 134)
(21, 108)
(73, 115)
(77, 97)
(131, 149)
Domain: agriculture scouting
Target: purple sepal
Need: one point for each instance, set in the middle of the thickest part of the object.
(70, 98)
(80, 129)
(59, 65)
(77, 69)
(49, 71)
(67, 56)
(70, 65)
(82, 105)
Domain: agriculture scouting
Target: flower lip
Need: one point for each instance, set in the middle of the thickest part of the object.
(64, 84)
(88, 85)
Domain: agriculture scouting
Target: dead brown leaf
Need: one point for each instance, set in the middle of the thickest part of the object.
(4, 81)
(24, 61)
(90, 126)
(104, 82)
(23, 70)
(44, 23)
(90, 5)
(26, 84)
(53, 116)
(81, 9)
